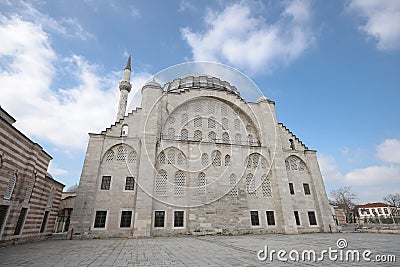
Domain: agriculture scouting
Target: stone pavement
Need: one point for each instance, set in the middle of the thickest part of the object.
(196, 251)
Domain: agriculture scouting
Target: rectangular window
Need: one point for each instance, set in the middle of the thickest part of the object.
(297, 217)
(3, 215)
(105, 183)
(311, 218)
(100, 220)
(159, 216)
(178, 218)
(20, 221)
(129, 183)
(306, 189)
(126, 219)
(254, 218)
(384, 209)
(291, 188)
(270, 217)
(44, 222)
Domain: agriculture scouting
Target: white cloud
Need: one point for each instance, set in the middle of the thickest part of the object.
(135, 12)
(186, 5)
(69, 27)
(63, 116)
(381, 21)
(238, 38)
(55, 170)
(366, 181)
(389, 151)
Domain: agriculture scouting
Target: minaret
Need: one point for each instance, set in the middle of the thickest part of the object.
(125, 87)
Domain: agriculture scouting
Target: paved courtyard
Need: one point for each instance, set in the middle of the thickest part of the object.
(200, 251)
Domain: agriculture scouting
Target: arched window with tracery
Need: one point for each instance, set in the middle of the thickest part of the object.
(171, 157)
(225, 138)
(201, 184)
(233, 185)
(251, 185)
(212, 136)
(266, 186)
(204, 159)
(227, 160)
(216, 158)
(211, 122)
(161, 158)
(161, 183)
(198, 135)
(184, 134)
(180, 183)
(121, 153)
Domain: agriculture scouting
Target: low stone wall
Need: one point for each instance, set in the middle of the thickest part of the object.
(379, 228)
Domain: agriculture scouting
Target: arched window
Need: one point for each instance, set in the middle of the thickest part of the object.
(212, 136)
(224, 110)
(216, 158)
(292, 144)
(225, 138)
(184, 119)
(211, 107)
(197, 135)
(124, 130)
(132, 157)
(171, 157)
(184, 134)
(211, 122)
(294, 163)
(179, 159)
(251, 185)
(29, 190)
(204, 159)
(255, 159)
(263, 163)
(161, 183)
(161, 158)
(109, 155)
(238, 139)
(225, 123)
(197, 121)
(10, 186)
(201, 184)
(121, 153)
(227, 160)
(266, 186)
(237, 124)
(233, 185)
(198, 107)
(171, 133)
(180, 183)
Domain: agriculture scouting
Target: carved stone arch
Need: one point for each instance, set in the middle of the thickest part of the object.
(165, 156)
(294, 163)
(256, 160)
(240, 108)
(120, 153)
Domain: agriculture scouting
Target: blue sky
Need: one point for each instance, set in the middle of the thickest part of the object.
(332, 67)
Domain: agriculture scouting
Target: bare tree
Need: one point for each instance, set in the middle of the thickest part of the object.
(393, 200)
(345, 198)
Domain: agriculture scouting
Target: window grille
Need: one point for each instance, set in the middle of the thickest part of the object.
(197, 121)
(180, 182)
(171, 157)
(216, 158)
(121, 153)
(211, 122)
(10, 186)
(212, 136)
(266, 186)
(198, 135)
(109, 155)
(201, 185)
(184, 119)
(225, 124)
(237, 124)
(179, 159)
(184, 134)
(132, 157)
(224, 110)
(204, 159)
(227, 160)
(251, 185)
(233, 185)
(161, 183)
(161, 158)
(225, 138)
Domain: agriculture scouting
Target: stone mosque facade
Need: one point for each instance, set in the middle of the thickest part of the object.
(196, 158)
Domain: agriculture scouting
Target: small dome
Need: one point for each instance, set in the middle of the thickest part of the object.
(261, 99)
(152, 82)
(72, 189)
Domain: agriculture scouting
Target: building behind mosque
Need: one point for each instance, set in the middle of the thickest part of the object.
(196, 158)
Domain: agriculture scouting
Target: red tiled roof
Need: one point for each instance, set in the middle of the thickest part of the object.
(373, 205)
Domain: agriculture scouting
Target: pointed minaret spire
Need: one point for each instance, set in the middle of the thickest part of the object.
(128, 64)
(124, 87)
